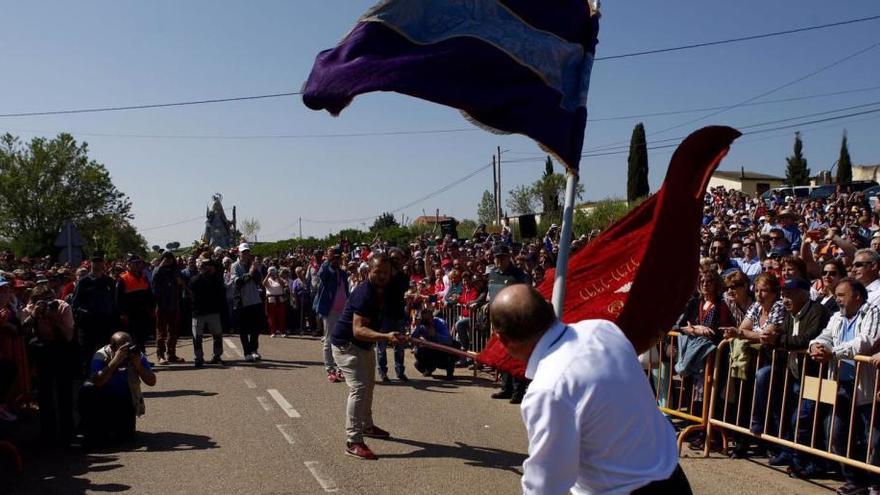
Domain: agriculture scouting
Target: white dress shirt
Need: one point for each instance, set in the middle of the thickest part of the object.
(591, 418)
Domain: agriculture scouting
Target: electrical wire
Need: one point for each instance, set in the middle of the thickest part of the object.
(608, 57)
(147, 106)
(739, 39)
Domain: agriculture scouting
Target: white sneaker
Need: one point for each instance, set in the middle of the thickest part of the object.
(249, 358)
(257, 356)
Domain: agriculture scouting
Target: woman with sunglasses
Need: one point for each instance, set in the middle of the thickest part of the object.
(737, 295)
(832, 272)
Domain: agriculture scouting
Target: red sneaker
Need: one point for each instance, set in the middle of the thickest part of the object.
(376, 432)
(360, 450)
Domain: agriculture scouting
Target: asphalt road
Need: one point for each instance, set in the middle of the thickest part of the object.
(276, 427)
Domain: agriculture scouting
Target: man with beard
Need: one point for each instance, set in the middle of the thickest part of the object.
(352, 339)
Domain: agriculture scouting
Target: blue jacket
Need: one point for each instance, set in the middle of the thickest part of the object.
(327, 278)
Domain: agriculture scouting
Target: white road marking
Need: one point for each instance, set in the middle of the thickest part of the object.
(326, 483)
(231, 345)
(283, 404)
(288, 435)
(265, 403)
(250, 383)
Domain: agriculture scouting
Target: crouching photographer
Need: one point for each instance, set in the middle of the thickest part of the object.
(111, 400)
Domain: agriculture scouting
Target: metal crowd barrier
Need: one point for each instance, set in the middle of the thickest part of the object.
(803, 413)
(676, 396)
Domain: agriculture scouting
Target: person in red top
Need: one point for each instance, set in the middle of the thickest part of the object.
(473, 296)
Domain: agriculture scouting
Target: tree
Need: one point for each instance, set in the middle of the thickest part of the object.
(546, 190)
(520, 200)
(383, 222)
(844, 163)
(46, 181)
(250, 227)
(637, 171)
(797, 173)
(550, 191)
(486, 208)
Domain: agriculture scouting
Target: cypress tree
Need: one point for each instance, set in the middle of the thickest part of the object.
(637, 172)
(797, 173)
(844, 164)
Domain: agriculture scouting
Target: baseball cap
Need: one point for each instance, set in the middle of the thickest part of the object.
(796, 283)
(501, 250)
(244, 247)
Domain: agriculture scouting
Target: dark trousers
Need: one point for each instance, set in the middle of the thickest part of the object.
(56, 367)
(251, 321)
(141, 327)
(677, 484)
(861, 425)
(7, 377)
(428, 360)
(382, 358)
(106, 416)
(91, 337)
(512, 385)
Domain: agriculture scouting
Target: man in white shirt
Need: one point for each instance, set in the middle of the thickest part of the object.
(591, 418)
(866, 269)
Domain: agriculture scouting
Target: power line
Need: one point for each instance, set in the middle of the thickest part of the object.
(408, 205)
(257, 136)
(279, 95)
(426, 131)
(157, 227)
(737, 40)
(147, 106)
(750, 99)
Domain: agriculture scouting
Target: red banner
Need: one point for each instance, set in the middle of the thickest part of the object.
(640, 271)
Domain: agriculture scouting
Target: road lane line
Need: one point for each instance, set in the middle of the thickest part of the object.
(287, 434)
(250, 383)
(326, 483)
(265, 403)
(283, 404)
(231, 345)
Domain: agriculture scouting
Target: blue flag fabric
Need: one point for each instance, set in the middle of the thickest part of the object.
(511, 66)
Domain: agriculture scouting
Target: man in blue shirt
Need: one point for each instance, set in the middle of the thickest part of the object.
(352, 339)
(111, 399)
(434, 330)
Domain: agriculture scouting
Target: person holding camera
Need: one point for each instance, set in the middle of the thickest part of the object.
(50, 323)
(111, 399)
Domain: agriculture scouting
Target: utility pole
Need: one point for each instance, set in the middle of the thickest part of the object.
(300, 227)
(495, 184)
(498, 149)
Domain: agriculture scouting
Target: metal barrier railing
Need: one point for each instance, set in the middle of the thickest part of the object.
(684, 398)
(808, 407)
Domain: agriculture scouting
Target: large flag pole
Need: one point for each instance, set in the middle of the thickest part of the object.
(571, 181)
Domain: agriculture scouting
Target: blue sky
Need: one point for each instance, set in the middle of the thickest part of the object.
(60, 55)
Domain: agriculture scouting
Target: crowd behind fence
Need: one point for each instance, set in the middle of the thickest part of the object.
(817, 410)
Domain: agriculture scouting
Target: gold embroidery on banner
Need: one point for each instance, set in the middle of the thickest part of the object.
(616, 278)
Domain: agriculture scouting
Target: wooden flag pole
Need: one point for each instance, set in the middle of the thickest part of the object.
(571, 181)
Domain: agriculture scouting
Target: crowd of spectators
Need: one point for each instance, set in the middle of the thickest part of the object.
(792, 274)
(792, 283)
(87, 328)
